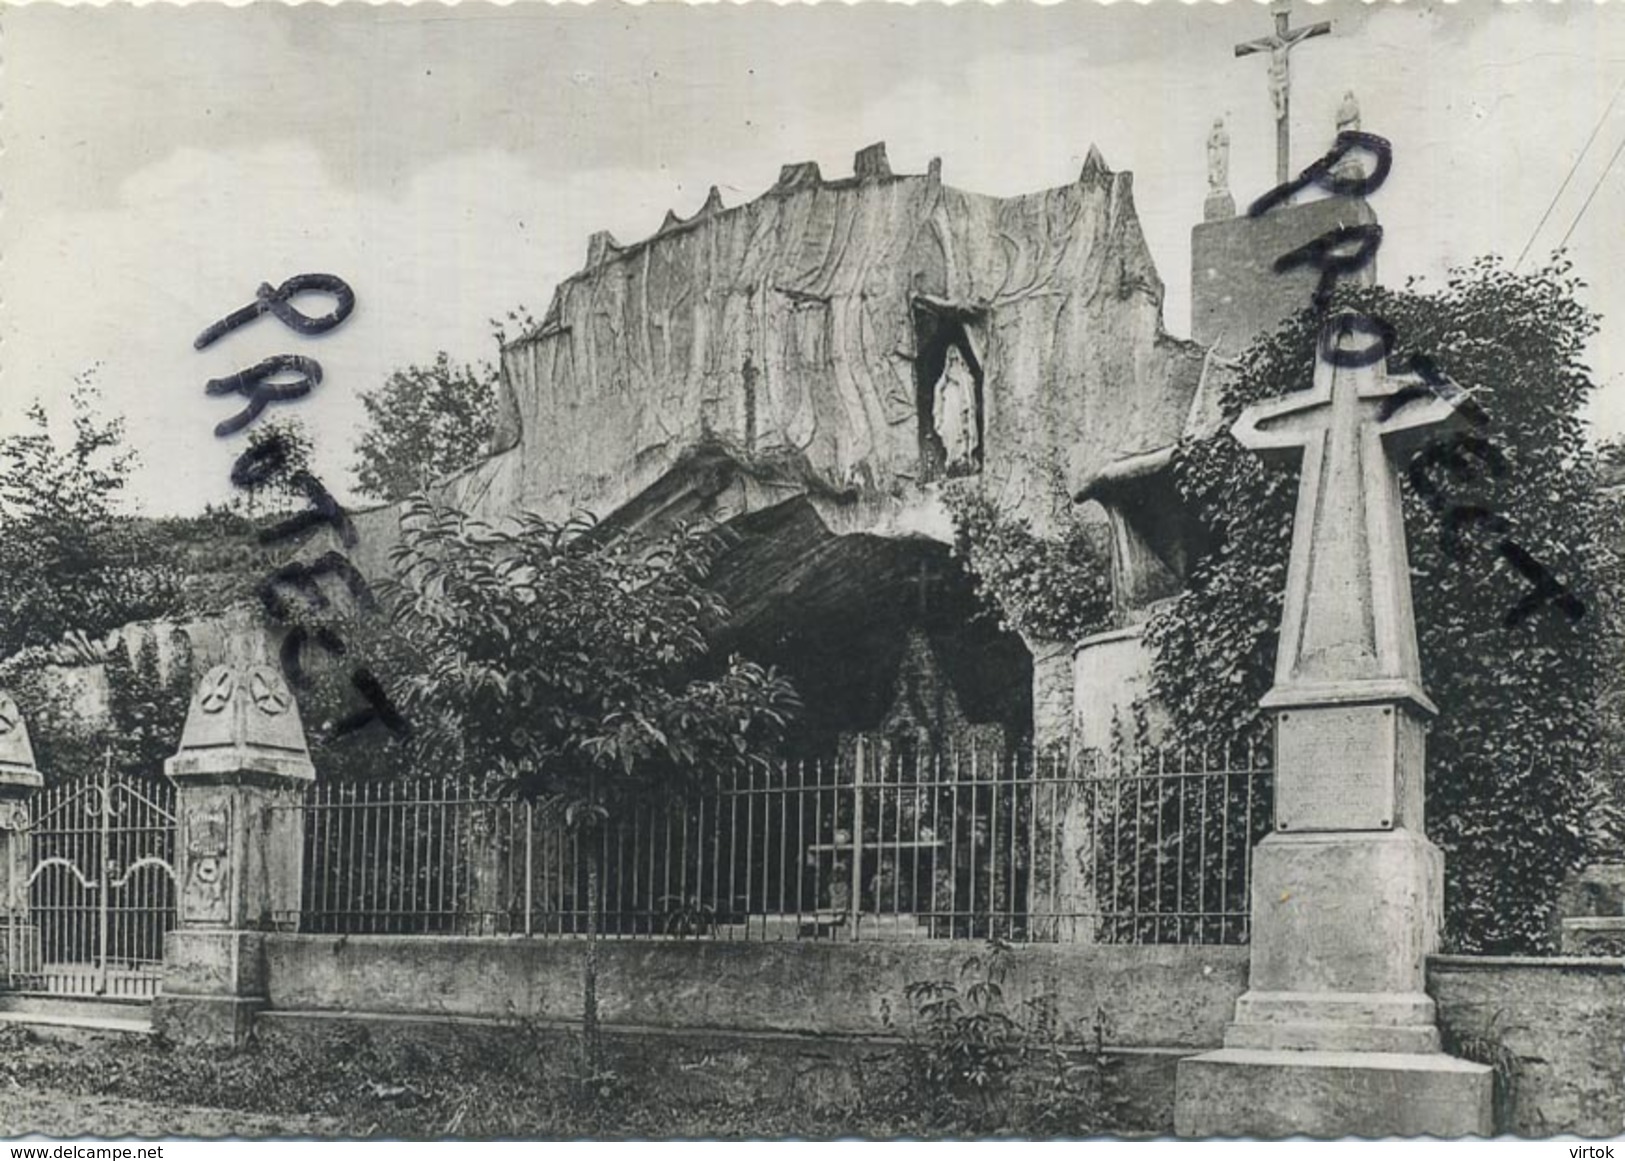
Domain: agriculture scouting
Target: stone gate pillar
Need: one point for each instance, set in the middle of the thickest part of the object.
(19, 779)
(241, 773)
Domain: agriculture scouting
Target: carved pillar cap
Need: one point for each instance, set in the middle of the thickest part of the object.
(243, 725)
(19, 776)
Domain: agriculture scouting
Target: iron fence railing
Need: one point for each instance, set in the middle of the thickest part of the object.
(99, 889)
(1152, 848)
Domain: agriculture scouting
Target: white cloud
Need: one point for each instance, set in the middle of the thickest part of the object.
(469, 238)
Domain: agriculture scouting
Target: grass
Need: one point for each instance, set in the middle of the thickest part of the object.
(513, 1081)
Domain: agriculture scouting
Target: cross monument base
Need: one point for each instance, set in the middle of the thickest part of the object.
(1251, 1092)
(1336, 1035)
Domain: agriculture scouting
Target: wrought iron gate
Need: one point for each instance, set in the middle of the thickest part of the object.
(101, 890)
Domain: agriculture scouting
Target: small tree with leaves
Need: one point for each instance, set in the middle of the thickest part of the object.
(425, 422)
(571, 667)
(282, 449)
(69, 560)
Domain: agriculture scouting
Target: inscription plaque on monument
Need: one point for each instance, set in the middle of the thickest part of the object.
(1343, 760)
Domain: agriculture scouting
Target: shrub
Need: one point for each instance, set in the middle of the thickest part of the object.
(981, 1061)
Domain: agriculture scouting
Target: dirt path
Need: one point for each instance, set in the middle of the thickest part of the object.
(54, 1114)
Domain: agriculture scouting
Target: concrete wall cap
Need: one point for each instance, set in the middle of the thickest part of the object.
(1600, 964)
(1127, 633)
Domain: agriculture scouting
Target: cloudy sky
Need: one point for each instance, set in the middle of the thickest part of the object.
(450, 163)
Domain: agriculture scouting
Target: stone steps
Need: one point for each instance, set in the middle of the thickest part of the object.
(1334, 1037)
(1335, 1022)
(1244, 1092)
(1384, 1008)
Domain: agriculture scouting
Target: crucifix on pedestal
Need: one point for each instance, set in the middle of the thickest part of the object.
(1280, 45)
(1336, 1033)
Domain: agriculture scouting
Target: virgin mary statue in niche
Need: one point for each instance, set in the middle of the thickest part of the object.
(955, 414)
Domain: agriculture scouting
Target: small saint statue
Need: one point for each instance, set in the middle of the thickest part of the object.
(1348, 114)
(1219, 205)
(1218, 158)
(1348, 167)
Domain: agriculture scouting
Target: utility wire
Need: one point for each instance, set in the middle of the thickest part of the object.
(1609, 168)
(1573, 169)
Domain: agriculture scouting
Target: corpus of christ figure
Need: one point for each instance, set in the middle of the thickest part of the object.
(1280, 45)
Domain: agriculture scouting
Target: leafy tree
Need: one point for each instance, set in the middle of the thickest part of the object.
(68, 559)
(1512, 758)
(65, 743)
(218, 555)
(425, 422)
(570, 666)
(282, 448)
(328, 700)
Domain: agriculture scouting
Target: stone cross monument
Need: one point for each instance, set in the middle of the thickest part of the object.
(1280, 45)
(1336, 1033)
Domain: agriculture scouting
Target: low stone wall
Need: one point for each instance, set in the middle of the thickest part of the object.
(1555, 1027)
(1558, 1028)
(1148, 997)
(815, 1074)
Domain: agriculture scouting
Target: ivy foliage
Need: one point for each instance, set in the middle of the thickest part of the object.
(1609, 821)
(1046, 588)
(1512, 765)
